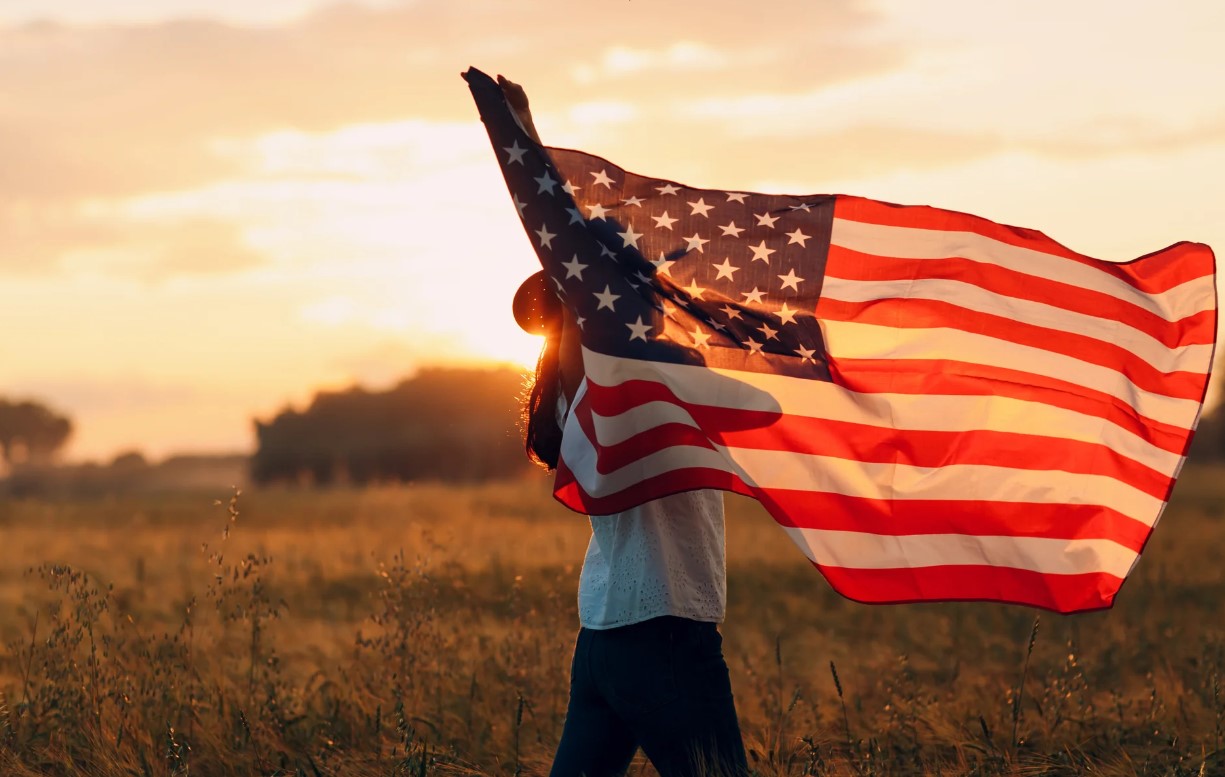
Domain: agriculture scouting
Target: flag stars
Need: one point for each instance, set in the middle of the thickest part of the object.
(786, 314)
(694, 290)
(639, 329)
(519, 205)
(798, 237)
(700, 208)
(634, 201)
(606, 298)
(762, 252)
(729, 311)
(574, 268)
(753, 296)
(667, 189)
(768, 331)
(546, 183)
(791, 280)
(596, 211)
(700, 339)
(802, 206)
(569, 188)
(629, 237)
(736, 197)
(575, 216)
(695, 243)
(765, 220)
(602, 179)
(515, 153)
(663, 265)
(725, 270)
(664, 221)
(806, 354)
(731, 230)
(753, 345)
(545, 236)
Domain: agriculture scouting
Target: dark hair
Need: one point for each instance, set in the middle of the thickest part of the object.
(541, 434)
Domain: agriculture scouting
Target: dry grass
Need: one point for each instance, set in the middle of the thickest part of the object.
(427, 630)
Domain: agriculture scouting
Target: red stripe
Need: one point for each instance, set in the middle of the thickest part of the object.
(926, 314)
(921, 376)
(1061, 593)
(811, 510)
(762, 430)
(1197, 329)
(1152, 273)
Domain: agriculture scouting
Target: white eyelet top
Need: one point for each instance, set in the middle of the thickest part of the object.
(665, 557)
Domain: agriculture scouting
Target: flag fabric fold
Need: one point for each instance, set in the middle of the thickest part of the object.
(932, 405)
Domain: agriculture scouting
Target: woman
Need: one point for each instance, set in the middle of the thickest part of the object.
(648, 668)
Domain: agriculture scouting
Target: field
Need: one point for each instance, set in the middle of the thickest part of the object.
(427, 629)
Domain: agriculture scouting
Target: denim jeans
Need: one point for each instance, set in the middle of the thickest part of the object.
(661, 685)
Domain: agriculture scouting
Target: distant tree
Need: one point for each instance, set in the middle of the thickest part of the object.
(30, 433)
(445, 424)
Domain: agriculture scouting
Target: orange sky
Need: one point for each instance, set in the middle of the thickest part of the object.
(210, 208)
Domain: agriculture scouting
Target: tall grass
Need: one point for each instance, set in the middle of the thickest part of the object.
(427, 630)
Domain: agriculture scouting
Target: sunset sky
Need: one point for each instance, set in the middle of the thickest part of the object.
(212, 208)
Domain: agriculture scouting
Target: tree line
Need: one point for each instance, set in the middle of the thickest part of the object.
(442, 424)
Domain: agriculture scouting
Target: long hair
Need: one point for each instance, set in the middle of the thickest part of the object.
(538, 416)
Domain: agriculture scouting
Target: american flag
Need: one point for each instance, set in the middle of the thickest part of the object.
(932, 405)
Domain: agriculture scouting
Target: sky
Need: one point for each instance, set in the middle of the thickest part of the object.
(211, 209)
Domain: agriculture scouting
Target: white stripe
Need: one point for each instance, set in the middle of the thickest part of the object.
(918, 412)
(857, 550)
(1191, 297)
(845, 340)
(1191, 358)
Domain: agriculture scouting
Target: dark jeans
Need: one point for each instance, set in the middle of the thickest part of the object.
(661, 685)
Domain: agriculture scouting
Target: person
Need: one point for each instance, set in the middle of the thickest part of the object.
(648, 669)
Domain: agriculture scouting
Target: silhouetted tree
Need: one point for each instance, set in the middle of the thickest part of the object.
(444, 423)
(30, 432)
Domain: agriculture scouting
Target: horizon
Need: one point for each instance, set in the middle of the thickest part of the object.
(213, 210)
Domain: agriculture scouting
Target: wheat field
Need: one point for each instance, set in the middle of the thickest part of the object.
(426, 629)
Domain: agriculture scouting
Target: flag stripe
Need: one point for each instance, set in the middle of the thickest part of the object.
(869, 341)
(796, 397)
(1151, 274)
(916, 303)
(1197, 327)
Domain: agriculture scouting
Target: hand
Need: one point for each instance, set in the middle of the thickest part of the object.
(517, 98)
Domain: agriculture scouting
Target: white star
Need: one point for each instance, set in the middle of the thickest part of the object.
(642, 277)
(701, 339)
(730, 312)
(546, 237)
(806, 354)
(596, 211)
(575, 216)
(602, 178)
(765, 219)
(606, 252)
(700, 207)
(801, 206)
(629, 237)
(663, 266)
(754, 346)
(731, 229)
(798, 237)
(791, 279)
(665, 221)
(753, 296)
(696, 242)
(569, 188)
(516, 153)
(574, 268)
(633, 201)
(638, 330)
(768, 331)
(606, 298)
(560, 290)
(519, 205)
(667, 189)
(693, 289)
(786, 314)
(546, 183)
(736, 197)
(580, 321)
(725, 270)
(760, 251)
